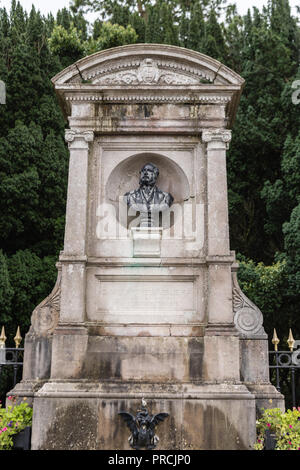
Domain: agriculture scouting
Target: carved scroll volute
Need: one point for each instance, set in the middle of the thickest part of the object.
(248, 318)
(45, 316)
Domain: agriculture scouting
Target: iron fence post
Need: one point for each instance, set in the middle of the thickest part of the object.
(293, 387)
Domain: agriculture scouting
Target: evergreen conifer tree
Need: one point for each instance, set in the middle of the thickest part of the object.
(6, 291)
(197, 29)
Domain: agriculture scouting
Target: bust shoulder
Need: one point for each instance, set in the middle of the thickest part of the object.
(130, 193)
(168, 198)
(131, 196)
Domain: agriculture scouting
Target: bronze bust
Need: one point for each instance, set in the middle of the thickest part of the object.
(148, 199)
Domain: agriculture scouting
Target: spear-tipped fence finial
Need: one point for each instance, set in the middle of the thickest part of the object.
(2, 338)
(275, 340)
(18, 338)
(291, 340)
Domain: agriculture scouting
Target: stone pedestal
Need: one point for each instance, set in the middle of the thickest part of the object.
(146, 242)
(147, 312)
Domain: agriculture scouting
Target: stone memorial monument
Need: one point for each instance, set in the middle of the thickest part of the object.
(147, 304)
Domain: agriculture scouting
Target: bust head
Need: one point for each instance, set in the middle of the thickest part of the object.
(148, 175)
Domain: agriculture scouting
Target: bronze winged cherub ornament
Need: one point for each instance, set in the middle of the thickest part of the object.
(142, 427)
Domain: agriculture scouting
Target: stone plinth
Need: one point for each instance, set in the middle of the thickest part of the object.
(203, 416)
(147, 312)
(146, 242)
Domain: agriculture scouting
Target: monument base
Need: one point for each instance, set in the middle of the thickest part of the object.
(82, 415)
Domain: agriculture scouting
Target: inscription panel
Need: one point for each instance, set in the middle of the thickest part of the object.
(147, 299)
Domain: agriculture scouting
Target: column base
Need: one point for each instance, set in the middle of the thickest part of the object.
(266, 396)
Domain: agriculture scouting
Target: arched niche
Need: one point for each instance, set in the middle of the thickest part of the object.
(125, 177)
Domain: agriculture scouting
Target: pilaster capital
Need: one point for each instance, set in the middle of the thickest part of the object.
(215, 137)
(80, 139)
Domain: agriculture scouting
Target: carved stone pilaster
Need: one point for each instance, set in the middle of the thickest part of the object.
(76, 216)
(217, 141)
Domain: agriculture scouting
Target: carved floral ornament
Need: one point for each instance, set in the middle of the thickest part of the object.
(149, 73)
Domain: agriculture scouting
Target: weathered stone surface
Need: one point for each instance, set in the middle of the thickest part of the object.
(160, 318)
(68, 424)
(200, 416)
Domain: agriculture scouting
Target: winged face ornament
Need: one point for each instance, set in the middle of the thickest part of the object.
(142, 427)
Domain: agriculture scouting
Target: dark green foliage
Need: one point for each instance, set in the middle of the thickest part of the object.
(30, 277)
(196, 28)
(6, 290)
(138, 24)
(160, 28)
(267, 287)
(33, 167)
(291, 230)
(263, 123)
(66, 44)
(33, 173)
(111, 35)
(214, 44)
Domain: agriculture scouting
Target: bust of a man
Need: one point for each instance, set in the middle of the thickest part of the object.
(148, 199)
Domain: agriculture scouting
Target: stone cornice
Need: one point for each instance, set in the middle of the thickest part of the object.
(137, 94)
(193, 95)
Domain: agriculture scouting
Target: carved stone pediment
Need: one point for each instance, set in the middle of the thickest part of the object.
(148, 64)
(156, 73)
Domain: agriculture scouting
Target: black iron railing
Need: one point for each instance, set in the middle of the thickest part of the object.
(288, 361)
(13, 358)
(280, 360)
